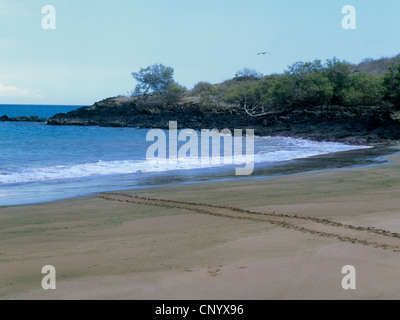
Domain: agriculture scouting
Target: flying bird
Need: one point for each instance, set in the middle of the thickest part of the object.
(263, 53)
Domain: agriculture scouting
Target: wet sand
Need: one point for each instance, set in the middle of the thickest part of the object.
(286, 237)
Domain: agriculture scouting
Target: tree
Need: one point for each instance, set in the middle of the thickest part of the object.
(305, 68)
(213, 98)
(304, 84)
(174, 93)
(248, 74)
(363, 90)
(313, 90)
(338, 74)
(153, 79)
(391, 86)
(248, 97)
(200, 87)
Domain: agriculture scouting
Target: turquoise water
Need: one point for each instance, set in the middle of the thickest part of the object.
(43, 163)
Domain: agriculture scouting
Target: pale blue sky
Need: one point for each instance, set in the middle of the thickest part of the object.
(98, 43)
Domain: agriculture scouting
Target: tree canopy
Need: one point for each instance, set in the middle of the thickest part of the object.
(302, 85)
(248, 74)
(153, 79)
(157, 80)
(391, 86)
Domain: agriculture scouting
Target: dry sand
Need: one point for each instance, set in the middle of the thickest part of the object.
(279, 238)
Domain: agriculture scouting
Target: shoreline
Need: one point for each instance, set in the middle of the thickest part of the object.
(123, 245)
(358, 158)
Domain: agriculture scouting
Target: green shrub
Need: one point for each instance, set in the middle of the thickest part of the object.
(213, 98)
(338, 74)
(304, 84)
(391, 86)
(200, 87)
(174, 93)
(247, 96)
(363, 90)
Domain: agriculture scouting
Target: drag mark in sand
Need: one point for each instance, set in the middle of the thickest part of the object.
(316, 226)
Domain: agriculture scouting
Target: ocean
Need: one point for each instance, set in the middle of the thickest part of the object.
(40, 163)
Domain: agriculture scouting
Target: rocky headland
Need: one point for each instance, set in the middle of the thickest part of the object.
(332, 101)
(325, 123)
(335, 101)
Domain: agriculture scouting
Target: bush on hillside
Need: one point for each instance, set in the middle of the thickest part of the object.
(391, 86)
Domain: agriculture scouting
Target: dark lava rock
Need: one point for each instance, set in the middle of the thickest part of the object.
(325, 123)
(23, 119)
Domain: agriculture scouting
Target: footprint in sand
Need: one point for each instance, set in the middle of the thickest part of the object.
(213, 272)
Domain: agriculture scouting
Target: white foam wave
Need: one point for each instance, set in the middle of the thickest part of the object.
(286, 149)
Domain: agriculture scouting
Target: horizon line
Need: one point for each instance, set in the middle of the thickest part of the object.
(35, 104)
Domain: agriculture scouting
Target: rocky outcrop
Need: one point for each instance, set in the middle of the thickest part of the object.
(23, 119)
(328, 123)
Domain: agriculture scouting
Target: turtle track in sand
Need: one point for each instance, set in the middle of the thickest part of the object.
(321, 227)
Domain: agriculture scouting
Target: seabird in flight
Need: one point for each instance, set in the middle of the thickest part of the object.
(263, 53)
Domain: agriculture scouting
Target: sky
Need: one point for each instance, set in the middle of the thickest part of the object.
(97, 44)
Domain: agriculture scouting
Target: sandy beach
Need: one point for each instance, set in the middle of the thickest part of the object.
(280, 238)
